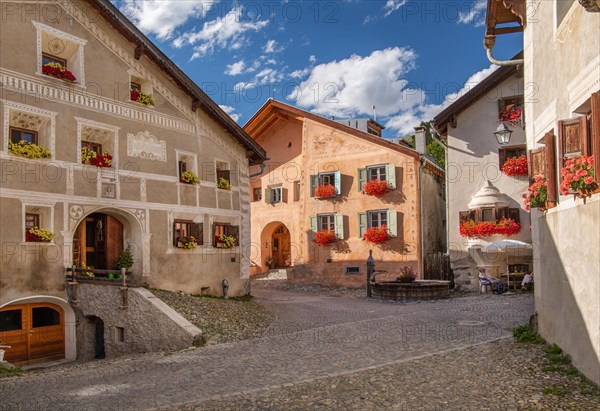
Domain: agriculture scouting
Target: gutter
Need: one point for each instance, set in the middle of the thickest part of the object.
(445, 147)
(488, 42)
(422, 245)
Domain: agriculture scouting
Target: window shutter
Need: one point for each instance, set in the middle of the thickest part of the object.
(392, 219)
(550, 168)
(338, 182)
(174, 234)
(463, 216)
(502, 213)
(536, 163)
(314, 183)
(478, 215)
(362, 224)
(362, 179)
(514, 214)
(268, 198)
(572, 139)
(182, 167)
(595, 133)
(339, 226)
(390, 174)
(197, 232)
(313, 226)
(472, 215)
(233, 231)
(284, 195)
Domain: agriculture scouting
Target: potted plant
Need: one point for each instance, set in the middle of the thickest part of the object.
(125, 259)
(325, 237)
(515, 166)
(537, 194)
(187, 243)
(56, 70)
(28, 150)
(512, 114)
(407, 275)
(376, 187)
(223, 184)
(99, 160)
(325, 190)
(141, 97)
(38, 235)
(377, 235)
(578, 177)
(225, 241)
(189, 177)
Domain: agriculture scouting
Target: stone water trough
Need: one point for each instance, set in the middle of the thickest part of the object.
(417, 290)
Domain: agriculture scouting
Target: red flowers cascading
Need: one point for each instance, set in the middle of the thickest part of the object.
(578, 176)
(376, 187)
(326, 190)
(515, 166)
(505, 227)
(58, 71)
(377, 235)
(325, 237)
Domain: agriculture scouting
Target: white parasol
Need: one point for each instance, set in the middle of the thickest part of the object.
(513, 247)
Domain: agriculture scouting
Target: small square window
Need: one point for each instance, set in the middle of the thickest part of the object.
(352, 270)
(376, 173)
(377, 218)
(326, 222)
(49, 58)
(327, 178)
(487, 214)
(276, 195)
(32, 220)
(20, 134)
(257, 194)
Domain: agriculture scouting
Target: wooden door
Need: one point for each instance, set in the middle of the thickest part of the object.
(114, 242)
(281, 246)
(35, 332)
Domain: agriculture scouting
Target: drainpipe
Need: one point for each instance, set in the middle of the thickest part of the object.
(422, 256)
(262, 169)
(447, 205)
(488, 43)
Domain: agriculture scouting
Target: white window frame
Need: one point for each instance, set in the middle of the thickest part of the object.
(144, 83)
(46, 217)
(330, 223)
(77, 59)
(191, 160)
(11, 106)
(379, 213)
(112, 141)
(330, 176)
(276, 193)
(379, 168)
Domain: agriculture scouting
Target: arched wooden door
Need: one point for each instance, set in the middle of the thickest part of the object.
(281, 247)
(35, 332)
(98, 242)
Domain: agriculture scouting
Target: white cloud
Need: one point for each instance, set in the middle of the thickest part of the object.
(300, 73)
(162, 17)
(312, 59)
(475, 15)
(225, 32)
(389, 7)
(351, 86)
(268, 76)
(231, 112)
(271, 46)
(235, 68)
(405, 121)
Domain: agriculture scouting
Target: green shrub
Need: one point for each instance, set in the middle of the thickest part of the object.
(523, 334)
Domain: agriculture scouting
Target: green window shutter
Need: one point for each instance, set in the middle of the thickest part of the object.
(390, 174)
(268, 196)
(338, 182)
(314, 183)
(392, 219)
(362, 179)
(313, 226)
(362, 224)
(339, 226)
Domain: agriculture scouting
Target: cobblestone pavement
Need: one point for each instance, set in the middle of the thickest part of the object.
(315, 338)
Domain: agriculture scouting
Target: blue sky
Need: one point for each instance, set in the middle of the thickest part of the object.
(336, 58)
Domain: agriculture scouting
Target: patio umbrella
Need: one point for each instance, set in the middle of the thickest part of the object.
(514, 247)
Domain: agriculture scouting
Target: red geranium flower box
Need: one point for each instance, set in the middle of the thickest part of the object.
(515, 166)
(326, 190)
(376, 187)
(578, 177)
(505, 227)
(58, 71)
(377, 235)
(325, 237)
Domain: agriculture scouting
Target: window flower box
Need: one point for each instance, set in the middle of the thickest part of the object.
(537, 194)
(223, 184)
(92, 158)
(515, 166)
(377, 235)
(141, 97)
(506, 227)
(512, 114)
(325, 190)
(38, 235)
(225, 241)
(187, 243)
(189, 177)
(578, 177)
(376, 188)
(325, 237)
(56, 70)
(28, 150)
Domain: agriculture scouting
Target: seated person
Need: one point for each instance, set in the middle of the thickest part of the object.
(527, 282)
(485, 279)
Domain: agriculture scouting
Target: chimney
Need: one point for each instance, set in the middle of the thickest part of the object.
(420, 138)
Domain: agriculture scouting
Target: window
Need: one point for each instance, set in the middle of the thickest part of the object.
(186, 162)
(32, 220)
(326, 222)
(220, 229)
(95, 147)
(40, 216)
(11, 320)
(562, 7)
(296, 190)
(274, 195)
(182, 168)
(257, 194)
(383, 172)
(135, 86)
(518, 268)
(327, 178)
(44, 317)
(223, 171)
(19, 134)
(510, 152)
(352, 270)
(510, 110)
(49, 58)
(488, 214)
(377, 218)
(138, 85)
(187, 228)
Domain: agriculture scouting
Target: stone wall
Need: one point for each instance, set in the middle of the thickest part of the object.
(147, 324)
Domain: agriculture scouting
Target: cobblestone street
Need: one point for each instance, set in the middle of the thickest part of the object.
(328, 352)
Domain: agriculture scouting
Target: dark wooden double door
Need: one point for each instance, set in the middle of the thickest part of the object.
(98, 242)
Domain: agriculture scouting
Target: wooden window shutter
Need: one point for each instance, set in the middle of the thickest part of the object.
(197, 231)
(392, 222)
(174, 233)
(233, 231)
(362, 179)
(550, 168)
(314, 183)
(339, 226)
(478, 215)
(182, 167)
(464, 216)
(284, 195)
(390, 174)
(268, 198)
(502, 213)
(514, 214)
(595, 134)
(536, 163)
(573, 141)
(313, 226)
(362, 224)
(337, 178)
(473, 215)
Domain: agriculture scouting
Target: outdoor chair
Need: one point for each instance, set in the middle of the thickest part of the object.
(483, 287)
